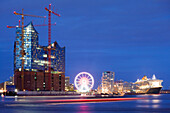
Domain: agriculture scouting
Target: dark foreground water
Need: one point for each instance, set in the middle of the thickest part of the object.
(151, 104)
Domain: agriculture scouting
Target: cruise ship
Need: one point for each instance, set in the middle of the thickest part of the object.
(148, 85)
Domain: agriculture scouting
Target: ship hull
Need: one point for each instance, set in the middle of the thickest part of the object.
(154, 90)
(148, 91)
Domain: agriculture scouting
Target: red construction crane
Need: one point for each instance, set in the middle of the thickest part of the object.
(49, 42)
(34, 25)
(22, 39)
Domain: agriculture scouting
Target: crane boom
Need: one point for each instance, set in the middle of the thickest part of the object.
(34, 25)
(29, 15)
(52, 12)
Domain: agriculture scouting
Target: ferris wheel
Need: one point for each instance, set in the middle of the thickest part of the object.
(84, 82)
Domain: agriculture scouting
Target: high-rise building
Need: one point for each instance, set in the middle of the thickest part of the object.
(36, 75)
(107, 82)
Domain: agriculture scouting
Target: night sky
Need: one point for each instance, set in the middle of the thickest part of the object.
(129, 37)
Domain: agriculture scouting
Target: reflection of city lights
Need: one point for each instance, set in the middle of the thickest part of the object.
(143, 106)
(143, 101)
(156, 101)
(83, 107)
(155, 106)
(2, 95)
(155, 95)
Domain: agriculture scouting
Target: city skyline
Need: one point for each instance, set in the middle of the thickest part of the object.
(130, 38)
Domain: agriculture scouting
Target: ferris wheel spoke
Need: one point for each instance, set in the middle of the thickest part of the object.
(78, 78)
(89, 85)
(90, 79)
(77, 81)
(90, 82)
(84, 75)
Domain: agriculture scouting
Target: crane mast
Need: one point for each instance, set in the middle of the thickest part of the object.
(22, 40)
(49, 42)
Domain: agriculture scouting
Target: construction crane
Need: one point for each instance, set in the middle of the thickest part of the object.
(49, 41)
(14, 26)
(22, 40)
(34, 25)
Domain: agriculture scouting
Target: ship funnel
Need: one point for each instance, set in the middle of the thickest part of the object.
(153, 77)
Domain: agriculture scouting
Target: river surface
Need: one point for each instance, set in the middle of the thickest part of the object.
(150, 104)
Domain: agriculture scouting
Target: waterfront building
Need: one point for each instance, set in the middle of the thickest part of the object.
(127, 87)
(36, 75)
(67, 83)
(5, 85)
(71, 88)
(99, 89)
(118, 87)
(121, 86)
(107, 82)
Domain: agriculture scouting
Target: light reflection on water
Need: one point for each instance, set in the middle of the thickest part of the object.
(148, 106)
(156, 101)
(149, 101)
(152, 103)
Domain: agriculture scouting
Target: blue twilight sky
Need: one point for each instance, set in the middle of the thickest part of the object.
(129, 37)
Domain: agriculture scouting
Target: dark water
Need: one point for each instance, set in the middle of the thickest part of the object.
(151, 104)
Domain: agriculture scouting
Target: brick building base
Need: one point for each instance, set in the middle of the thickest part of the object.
(39, 81)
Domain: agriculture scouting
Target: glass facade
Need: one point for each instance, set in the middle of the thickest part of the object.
(107, 82)
(35, 56)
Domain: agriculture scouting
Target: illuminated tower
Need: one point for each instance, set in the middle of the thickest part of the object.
(107, 82)
(30, 45)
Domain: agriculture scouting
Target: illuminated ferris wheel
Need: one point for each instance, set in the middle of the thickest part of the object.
(84, 82)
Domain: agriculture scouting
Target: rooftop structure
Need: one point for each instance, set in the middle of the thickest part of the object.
(35, 57)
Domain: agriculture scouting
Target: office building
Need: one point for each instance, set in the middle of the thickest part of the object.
(107, 82)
